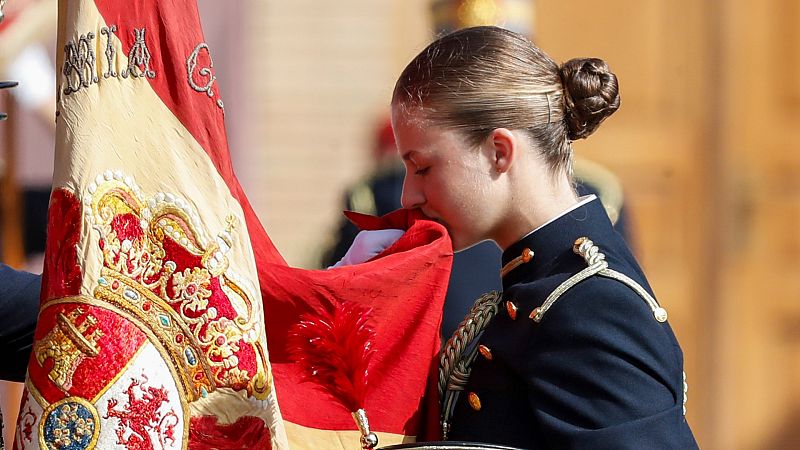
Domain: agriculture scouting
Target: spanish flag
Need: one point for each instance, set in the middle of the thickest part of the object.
(161, 288)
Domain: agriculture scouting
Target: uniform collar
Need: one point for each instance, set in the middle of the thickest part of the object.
(555, 238)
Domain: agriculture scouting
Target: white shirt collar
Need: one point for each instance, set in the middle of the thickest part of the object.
(581, 201)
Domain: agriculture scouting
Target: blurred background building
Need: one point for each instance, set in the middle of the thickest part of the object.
(704, 146)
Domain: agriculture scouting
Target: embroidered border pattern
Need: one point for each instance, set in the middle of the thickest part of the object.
(27, 419)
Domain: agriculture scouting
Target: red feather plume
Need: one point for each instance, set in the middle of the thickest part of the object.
(334, 349)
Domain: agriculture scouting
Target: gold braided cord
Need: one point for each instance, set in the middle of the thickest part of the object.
(523, 258)
(513, 264)
(485, 307)
(658, 312)
(597, 266)
(455, 364)
(539, 312)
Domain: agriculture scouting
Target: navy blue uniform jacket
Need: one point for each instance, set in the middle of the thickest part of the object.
(19, 307)
(598, 372)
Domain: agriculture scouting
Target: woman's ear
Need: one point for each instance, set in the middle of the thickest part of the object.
(503, 145)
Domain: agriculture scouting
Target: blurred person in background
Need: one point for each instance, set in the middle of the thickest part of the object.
(377, 194)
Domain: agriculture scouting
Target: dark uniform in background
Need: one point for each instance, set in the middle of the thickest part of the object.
(19, 307)
(598, 368)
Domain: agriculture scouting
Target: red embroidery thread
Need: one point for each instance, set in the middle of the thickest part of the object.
(141, 417)
(62, 274)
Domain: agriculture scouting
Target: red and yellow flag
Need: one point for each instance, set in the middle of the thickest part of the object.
(159, 278)
(151, 331)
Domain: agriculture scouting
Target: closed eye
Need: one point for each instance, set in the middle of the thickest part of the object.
(422, 171)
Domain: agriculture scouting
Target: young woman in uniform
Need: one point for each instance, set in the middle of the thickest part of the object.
(576, 353)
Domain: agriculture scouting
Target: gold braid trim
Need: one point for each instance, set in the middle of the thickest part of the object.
(524, 258)
(455, 364)
(597, 266)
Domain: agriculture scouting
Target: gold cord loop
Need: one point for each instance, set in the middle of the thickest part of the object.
(596, 260)
(459, 353)
(525, 257)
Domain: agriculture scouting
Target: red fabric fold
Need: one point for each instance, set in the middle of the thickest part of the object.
(405, 286)
(245, 434)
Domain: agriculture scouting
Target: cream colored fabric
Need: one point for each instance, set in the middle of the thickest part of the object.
(304, 438)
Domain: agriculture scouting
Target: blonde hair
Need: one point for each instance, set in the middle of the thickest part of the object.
(482, 78)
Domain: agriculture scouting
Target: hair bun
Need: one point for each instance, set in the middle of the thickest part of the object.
(591, 94)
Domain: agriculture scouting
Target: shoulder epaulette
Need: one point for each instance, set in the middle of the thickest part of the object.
(598, 265)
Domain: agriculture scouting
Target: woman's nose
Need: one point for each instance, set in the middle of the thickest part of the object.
(412, 196)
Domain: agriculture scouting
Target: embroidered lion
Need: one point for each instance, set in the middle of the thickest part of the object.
(140, 419)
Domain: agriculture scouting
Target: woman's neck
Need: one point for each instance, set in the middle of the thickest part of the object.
(533, 206)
